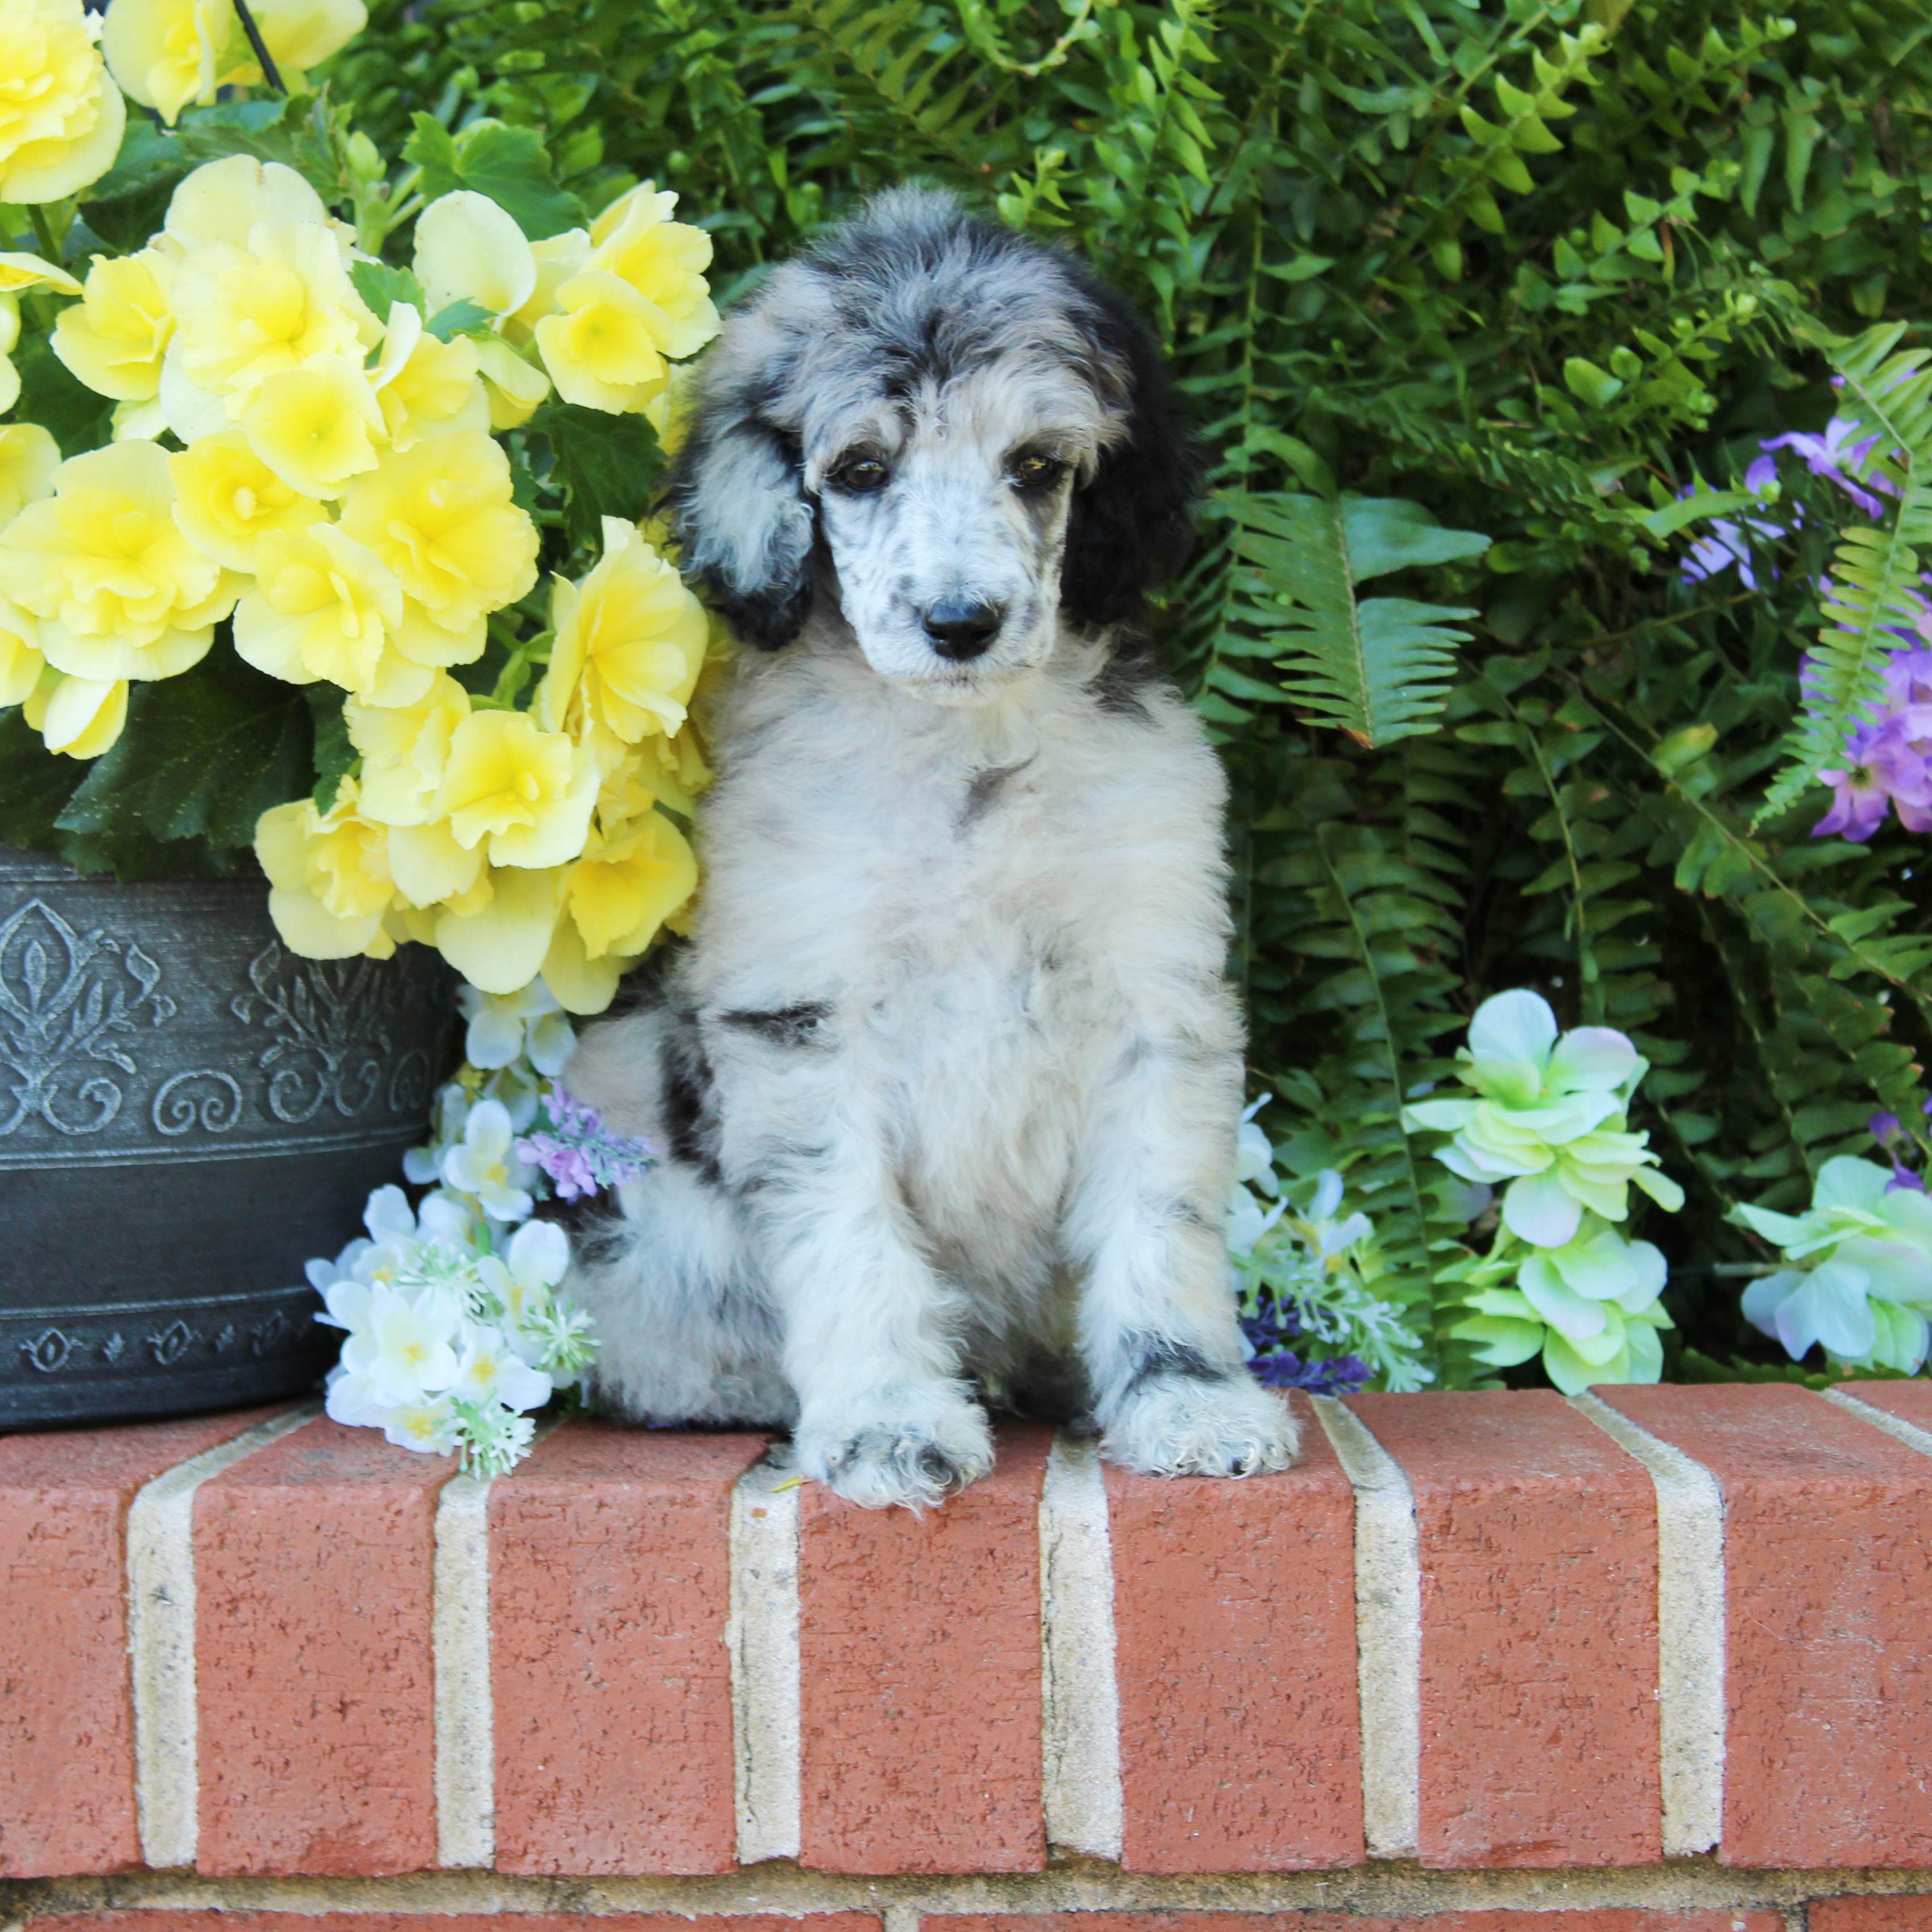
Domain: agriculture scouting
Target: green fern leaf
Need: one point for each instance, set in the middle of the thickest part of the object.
(1377, 668)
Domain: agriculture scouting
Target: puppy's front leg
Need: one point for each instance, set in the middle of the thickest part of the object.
(883, 1416)
(1146, 1221)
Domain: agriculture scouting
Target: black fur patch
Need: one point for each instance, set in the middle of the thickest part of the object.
(1160, 1357)
(784, 1026)
(984, 790)
(1122, 684)
(690, 1100)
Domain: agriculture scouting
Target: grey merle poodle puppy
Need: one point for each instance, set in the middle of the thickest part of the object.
(948, 1075)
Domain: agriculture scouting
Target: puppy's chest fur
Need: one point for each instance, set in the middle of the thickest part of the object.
(957, 920)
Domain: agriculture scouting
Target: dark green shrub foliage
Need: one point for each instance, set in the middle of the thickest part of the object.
(1426, 269)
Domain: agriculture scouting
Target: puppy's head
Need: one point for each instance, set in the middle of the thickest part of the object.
(977, 436)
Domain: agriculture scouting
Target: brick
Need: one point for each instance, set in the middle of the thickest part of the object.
(1870, 1915)
(67, 1718)
(1538, 1537)
(1235, 1645)
(609, 1584)
(1828, 1590)
(1602, 1919)
(919, 1669)
(1908, 1402)
(200, 1920)
(313, 1568)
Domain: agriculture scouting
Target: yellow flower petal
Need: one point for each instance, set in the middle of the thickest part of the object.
(468, 249)
(620, 896)
(405, 750)
(529, 793)
(21, 662)
(316, 426)
(60, 117)
(115, 340)
(430, 866)
(227, 200)
(29, 458)
(665, 261)
(601, 347)
(501, 949)
(80, 716)
(226, 498)
(425, 387)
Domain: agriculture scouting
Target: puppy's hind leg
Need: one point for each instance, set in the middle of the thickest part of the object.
(1147, 1220)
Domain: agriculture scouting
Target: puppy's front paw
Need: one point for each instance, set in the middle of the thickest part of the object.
(1185, 1426)
(916, 1458)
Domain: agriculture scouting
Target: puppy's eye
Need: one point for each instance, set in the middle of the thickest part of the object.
(860, 475)
(1035, 472)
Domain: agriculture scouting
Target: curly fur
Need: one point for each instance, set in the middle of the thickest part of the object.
(948, 1073)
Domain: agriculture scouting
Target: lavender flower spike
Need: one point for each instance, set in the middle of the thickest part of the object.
(580, 1154)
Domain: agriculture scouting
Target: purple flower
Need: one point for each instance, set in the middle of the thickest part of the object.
(1277, 1366)
(1886, 1129)
(580, 1154)
(1860, 795)
(1831, 455)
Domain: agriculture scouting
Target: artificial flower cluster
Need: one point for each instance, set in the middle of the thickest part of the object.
(1548, 1126)
(1305, 1274)
(306, 467)
(1857, 1280)
(456, 1328)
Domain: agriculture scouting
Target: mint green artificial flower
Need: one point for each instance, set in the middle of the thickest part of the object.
(1562, 1278)
(1865, 1293)
(1550, 1122)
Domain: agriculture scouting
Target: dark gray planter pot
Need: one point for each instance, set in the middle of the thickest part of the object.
(188, 1112)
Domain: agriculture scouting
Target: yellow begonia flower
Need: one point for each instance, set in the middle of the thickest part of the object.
(623, 889)
(630, 643)
(226, 498)
(228, 200)
(21, 662)
(323, 607)
(246, 313)
(316, 426)
(80, 716)
(423, 387)
(329, 876)
(468, 249)
(60, 117)
(167, 53)
(432, 869)
(114, 340)
(558, 257)
(29, 460)
(405, 749)
(665, 261)
(120, 592)
(441, 516)
(528, 793)
(601, 347)
(514, 386)
(500, 946)
(18, 272)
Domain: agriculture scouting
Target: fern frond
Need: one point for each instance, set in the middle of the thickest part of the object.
(1378, 668)
(1873, 585)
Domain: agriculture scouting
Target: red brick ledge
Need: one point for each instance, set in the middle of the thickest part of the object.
(1467, 1633)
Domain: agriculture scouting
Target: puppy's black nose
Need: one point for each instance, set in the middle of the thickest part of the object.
(960, 628)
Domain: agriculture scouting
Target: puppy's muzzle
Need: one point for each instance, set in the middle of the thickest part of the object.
(960, 629)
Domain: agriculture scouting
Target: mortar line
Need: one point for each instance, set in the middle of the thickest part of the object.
(1082, 1800)
(1690, 1629)
(1388, 1632)
(1909, 1433)
(762, 1634)
(161, 1640)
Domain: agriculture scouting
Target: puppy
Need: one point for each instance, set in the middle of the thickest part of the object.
(948, 1076)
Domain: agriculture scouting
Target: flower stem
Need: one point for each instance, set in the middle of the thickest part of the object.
(269, 72)
(50, 245)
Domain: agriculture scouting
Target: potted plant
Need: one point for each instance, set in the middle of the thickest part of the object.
(316, 560)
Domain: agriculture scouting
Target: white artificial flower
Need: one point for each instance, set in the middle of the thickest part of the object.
(489, 1370)
(1254, 1154)
(484, 1164)
(509, 1027)
(404, 1344)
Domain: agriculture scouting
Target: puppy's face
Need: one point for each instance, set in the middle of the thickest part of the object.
(945, 514)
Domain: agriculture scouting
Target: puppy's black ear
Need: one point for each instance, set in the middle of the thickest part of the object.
(1132, 525)
(739, 510)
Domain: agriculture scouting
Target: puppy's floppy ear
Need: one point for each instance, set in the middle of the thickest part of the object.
(1131, 525)
(739, 507)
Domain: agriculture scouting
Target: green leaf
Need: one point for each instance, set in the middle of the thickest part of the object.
(510, 165)
(381, 287)
(1376, 669)
(457, 317)
(53, 397)
(1597, 387)
(608, 464)
(335, 755)
(203, 755)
